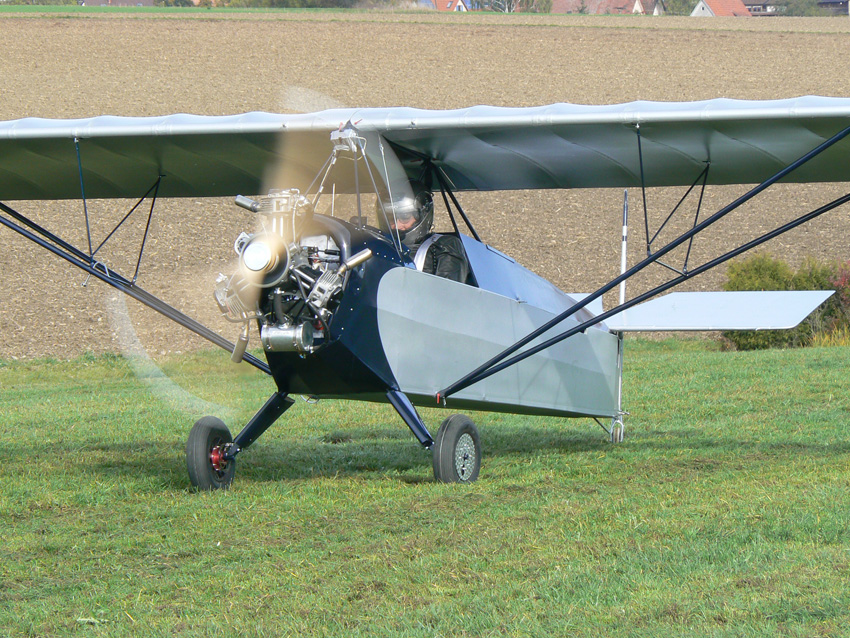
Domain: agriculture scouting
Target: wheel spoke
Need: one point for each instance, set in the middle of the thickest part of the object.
(464, 456)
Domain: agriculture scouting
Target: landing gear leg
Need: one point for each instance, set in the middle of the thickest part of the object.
(277, 404)
(456, 448)
(211, 451)
(411, 417)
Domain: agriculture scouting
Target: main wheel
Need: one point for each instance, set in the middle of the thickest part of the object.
(457, 451)
(208, 470)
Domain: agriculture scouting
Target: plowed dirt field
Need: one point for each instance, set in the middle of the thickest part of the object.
(135, 64)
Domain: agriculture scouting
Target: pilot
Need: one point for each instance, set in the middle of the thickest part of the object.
(411, 218)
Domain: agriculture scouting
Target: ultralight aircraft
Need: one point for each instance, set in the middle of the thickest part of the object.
(343, 306)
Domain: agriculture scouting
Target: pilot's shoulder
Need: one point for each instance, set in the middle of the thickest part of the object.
(449, 242)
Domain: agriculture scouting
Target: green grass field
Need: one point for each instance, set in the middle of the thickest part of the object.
(725, 512)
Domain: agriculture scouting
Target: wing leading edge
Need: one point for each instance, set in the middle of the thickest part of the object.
(479, 148)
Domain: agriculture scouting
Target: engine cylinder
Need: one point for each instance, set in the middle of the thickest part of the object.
(278, 338)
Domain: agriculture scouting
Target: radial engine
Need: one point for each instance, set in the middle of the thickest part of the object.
(288, 280)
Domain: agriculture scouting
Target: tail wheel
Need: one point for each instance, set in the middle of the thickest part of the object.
(457, 451)
(208, 469)
(618, 432)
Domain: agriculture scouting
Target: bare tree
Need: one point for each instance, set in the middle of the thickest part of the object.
(525, 6)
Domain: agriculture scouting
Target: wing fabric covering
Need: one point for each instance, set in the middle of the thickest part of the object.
(479, 148)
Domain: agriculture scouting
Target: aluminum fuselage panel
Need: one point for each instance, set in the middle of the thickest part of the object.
(434, 331)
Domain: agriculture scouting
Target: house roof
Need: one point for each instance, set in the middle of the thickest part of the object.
(727, 8)
(593, 7)
(449, 5)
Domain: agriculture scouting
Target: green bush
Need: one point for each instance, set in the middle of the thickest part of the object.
(762, 271)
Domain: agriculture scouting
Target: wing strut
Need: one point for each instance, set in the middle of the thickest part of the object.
(75, 256)
(444, 188)
(703, 176)
(501, 361)
(643, 189)
(83, 192)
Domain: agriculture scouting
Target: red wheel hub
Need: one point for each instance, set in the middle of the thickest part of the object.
(217, 459)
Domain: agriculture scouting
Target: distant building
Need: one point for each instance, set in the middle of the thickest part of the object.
(444, 5)
(721, 9)
(609, 7)
(760, 9)
(835, 7)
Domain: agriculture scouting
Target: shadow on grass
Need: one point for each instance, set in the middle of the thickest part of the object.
(694, 439)
(365, 452)
(376, 453)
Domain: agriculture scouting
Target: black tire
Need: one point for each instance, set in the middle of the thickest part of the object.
(457, 451)
(208, 434)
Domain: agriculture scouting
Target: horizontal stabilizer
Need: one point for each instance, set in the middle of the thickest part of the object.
(757, 310)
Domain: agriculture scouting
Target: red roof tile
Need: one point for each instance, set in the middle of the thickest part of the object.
(449, 5)
(727, 8)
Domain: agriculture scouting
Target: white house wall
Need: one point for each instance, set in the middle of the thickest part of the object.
(702, 11)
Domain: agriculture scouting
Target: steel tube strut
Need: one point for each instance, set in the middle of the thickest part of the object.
(79, 254)
(81, 260)
(484, 370)
(702, 176)
(147, 228)
(411, 417)
(277, 404)
(83, 193)
(696, 217)
(643, 189)
(127, 216)
(658, 290)
(449, 209)
(441, 177)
